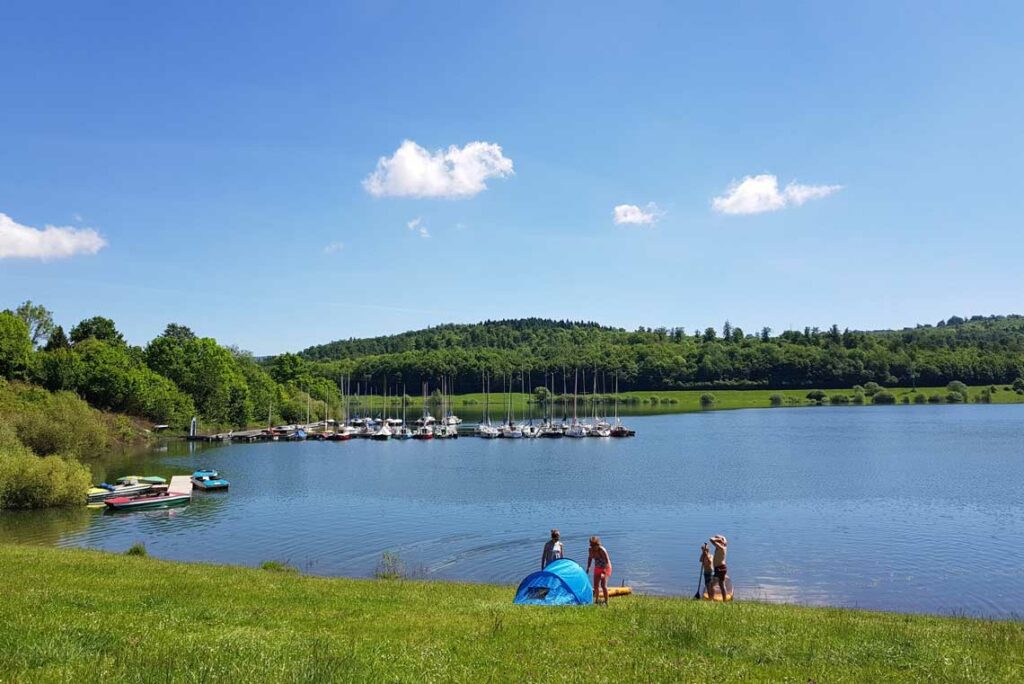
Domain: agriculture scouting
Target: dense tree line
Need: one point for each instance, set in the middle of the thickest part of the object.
(174, 377)
(180, 374)
(977, 351)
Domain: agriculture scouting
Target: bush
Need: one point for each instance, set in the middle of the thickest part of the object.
(61, 423)
(920, 399)
(390, 567)
(775, 400)
(30, 481)
(957, 387)
(872, 388)
(936, 399)
(1018, 385)
(653, 399)
(277, 566)
(858, 397)
(137, 549)
(883, 397)
(707, 400)
(839, 399)
(985, 397)
(816, 395)
(905, 399)
(954, 398)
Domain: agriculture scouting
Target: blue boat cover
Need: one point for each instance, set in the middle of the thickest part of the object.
(562, 583)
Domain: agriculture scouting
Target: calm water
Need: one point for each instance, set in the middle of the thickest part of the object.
(898, 508)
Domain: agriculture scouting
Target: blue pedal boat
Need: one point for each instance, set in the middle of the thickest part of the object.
(208, 479)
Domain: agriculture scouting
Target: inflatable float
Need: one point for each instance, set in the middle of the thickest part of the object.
(717, 595)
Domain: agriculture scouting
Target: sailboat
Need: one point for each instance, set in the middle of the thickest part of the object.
(509, 430)
(576, 430)
(619, 430)
(403, 431)
(600, 428)
(485, 429)
(383, 433)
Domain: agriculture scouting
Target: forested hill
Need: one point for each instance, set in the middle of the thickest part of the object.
(504, 334)
(976, 350)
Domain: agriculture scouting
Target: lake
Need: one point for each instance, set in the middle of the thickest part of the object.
(915, 509)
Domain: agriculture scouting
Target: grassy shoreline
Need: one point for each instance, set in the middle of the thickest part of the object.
(73, 615)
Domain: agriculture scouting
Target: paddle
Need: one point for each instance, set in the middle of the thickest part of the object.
(700, 576)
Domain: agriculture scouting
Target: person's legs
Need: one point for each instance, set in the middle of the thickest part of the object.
(604, 586)
(721, 584)
(597, 584)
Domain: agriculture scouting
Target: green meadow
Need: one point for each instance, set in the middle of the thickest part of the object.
(87, 616)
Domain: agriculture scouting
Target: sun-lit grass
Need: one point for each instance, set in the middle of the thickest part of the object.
(83, 616)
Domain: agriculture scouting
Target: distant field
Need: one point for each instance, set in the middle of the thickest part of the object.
(689, 400)
(84, 616)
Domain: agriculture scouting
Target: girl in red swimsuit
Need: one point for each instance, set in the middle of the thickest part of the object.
(602, 567)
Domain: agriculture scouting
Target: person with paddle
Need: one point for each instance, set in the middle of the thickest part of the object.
(707, 567)
(553, 550)
(721, 544)
(602, 567)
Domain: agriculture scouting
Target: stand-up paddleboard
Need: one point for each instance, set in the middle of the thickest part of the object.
(718, 591)
(619, 591)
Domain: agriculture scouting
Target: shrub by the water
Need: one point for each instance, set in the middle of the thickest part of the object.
(1018, 384)
(920, 399)
(858, 396)
(936, 399)
(954, 398)
(883, 397)
(775, 400)
(707, 400)
(872, 388)
(390, 567)
(61, 423)
(905, 399)
(959, 389)
(30, 481)
(839, 399)
(137, 549)
(816, 395)
(278, 566)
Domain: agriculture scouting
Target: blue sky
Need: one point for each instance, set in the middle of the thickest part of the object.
(213, 164)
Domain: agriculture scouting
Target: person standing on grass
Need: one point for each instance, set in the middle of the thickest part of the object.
(707, 566)
(553, 550)
(721, 544)
(602, 567)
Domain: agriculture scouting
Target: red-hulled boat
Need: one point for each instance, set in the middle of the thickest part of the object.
(148, 500)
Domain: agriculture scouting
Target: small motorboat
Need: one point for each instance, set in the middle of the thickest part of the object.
(423, 433)
(143, 479)
(147, 500)
(104, 491)
(208, 480)
(402, 433)
(339, 436)
(382, 435)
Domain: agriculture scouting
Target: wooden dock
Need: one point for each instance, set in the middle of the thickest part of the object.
(181, 484)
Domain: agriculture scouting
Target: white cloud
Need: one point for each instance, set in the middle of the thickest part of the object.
(631, 213)
(758, 194)
(334, 248)
(416, 225)
(413, 171)
(52, 242)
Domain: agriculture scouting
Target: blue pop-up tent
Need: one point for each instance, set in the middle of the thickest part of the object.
(562, 583)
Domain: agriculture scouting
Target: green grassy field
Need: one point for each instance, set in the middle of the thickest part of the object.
(689, 400)
(84, 616)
